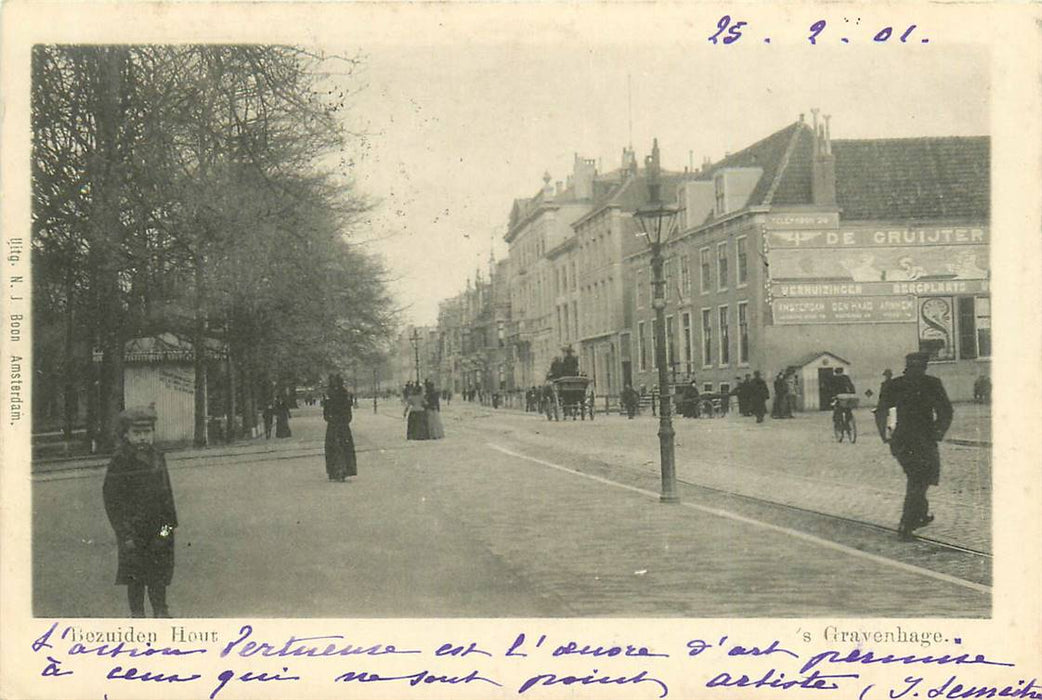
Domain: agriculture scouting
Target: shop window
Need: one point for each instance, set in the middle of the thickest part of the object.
(974, 327)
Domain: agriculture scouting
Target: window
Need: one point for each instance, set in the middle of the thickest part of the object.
(707, 338)
(565, 327)
(642, 347)
(560, 326)
(685, 275)
(725, 389)
(685, 323)
(974, 327)
(575, 318)
(725, 337)
(707, 270)
(667, 276)
(640, 292)
(743, 261)
(671, 357)
(573, 275)
(654, 341)
(707, 388)
(743, 332)
(721, 265)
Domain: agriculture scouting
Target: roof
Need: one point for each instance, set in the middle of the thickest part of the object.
(916, 178)
(631, 193)
(810, 357)
(772, 154)
(910, 178)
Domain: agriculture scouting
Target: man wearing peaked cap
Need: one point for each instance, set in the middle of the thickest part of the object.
(138, 415)
(924, 415)
(139, 502)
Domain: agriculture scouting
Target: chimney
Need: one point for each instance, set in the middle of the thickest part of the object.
(629, 160)
(584, 170)
(823, 164)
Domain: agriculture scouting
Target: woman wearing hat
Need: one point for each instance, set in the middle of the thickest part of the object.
(340, 446)
(139, 502)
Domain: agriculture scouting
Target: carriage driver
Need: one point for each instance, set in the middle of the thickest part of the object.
(570, 363)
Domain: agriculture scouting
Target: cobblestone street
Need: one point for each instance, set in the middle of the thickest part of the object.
(513, 516)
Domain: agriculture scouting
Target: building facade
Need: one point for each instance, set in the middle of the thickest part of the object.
(801, 247)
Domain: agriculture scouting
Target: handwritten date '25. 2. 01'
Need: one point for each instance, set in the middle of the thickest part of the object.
(730, 30)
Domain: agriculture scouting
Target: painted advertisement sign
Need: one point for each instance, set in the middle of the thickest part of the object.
(888, 264)
(879, 237)
(863, 309)
(804, 220)
(783, 290)
(937, 327)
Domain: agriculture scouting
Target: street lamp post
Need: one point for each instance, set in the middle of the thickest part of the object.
(415, 338)
(657, 221)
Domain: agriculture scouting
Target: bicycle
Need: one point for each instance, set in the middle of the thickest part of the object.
(843, 422)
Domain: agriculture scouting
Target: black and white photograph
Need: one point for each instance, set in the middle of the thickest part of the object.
(463, 312)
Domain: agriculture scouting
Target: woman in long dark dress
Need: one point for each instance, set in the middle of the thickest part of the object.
(435, 428)
(340, 445)
(416, 427)
(282, 418)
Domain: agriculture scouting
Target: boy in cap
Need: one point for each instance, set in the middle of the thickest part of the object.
(140, 506)
(924, 415)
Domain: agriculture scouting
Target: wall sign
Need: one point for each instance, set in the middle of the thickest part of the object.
(936, 327)
(863, 309)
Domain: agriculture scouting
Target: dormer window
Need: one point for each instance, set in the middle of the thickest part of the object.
(721, 201)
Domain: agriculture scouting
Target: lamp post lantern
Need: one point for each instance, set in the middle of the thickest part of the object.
(415, 338)
(657, 221)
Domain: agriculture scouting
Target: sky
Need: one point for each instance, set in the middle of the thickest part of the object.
(455, 132)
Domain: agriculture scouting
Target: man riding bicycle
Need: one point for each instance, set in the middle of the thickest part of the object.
(842, 414)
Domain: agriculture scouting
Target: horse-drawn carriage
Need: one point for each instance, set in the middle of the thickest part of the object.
(567, 397)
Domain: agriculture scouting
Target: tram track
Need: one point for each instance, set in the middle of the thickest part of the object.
(942, 544)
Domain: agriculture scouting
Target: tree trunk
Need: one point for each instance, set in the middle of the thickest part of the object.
(199, 352)
(231, 405)
(106, 229)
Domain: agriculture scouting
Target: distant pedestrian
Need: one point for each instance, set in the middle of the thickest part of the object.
(924, 415)
(340, 445)
(630, 399)
(282, 418)
(758, 395)
(139, 502)
(982, 389)
(432, 407)
(744, 402)
(791, 389)
(416, 416)
(779, 395)
(269, 418)
(689, 400)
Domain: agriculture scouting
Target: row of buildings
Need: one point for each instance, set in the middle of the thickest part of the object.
(798, 251)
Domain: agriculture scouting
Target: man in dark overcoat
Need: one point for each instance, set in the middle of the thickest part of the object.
(139, 502)
(758, 395)
(924, 415)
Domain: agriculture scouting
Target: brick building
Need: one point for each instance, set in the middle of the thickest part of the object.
(803, 251)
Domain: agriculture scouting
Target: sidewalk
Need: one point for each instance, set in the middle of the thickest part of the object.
(245, 446)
